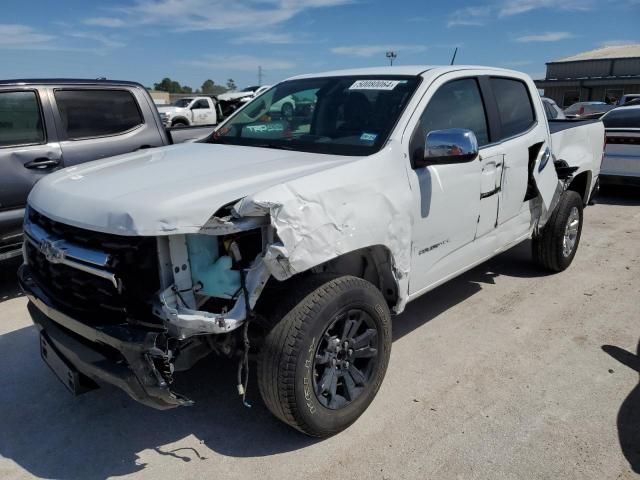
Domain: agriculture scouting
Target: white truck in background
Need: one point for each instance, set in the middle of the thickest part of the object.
(190, 111)
(291, 240)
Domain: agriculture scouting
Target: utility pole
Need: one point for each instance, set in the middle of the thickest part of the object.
(391, 55)
(260, 75)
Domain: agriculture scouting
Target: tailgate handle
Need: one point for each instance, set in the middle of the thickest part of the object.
(43, 163)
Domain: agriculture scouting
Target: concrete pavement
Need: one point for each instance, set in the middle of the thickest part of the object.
(503, 373)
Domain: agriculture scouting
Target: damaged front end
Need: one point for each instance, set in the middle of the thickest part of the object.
(131, 311)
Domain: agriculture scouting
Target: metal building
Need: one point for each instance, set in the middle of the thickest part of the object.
(604, 74)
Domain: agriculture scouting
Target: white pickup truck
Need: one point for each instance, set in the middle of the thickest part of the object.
(190, 111)
(293, 240)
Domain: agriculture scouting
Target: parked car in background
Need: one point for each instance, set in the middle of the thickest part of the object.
(46, 125)
(621, 162)
(625, 99)
(587, 110)
(246, 93)
(231, 101)
(294, 239)
(551, 108)
(191, 111)
(632, 102)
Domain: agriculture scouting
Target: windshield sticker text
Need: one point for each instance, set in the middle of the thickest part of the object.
(368, 137)
(375, 84)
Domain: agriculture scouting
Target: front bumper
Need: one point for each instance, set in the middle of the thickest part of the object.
(121, 355)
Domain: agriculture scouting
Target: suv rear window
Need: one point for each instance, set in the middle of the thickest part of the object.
(20, 119)
(514, 106)
(625, 117)
(97, 113)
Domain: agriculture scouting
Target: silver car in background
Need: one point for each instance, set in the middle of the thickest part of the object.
(552, 110)
(585, 110)
(621, 161)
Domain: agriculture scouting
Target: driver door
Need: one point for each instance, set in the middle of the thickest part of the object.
(447, 204)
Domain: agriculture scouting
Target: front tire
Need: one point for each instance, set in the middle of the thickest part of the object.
(555, 247)
(323, 363)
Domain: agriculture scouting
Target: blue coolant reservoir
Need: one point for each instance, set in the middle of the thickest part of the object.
(209, 269)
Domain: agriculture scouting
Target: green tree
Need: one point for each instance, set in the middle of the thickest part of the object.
(187, 89)
(231, 85)
(164, 85)
(208, 86)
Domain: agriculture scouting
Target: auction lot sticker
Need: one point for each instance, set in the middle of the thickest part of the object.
(375, 84)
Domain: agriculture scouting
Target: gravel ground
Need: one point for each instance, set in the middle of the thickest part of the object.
(502, 373)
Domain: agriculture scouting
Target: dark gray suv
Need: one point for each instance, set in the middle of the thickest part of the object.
(46, 125)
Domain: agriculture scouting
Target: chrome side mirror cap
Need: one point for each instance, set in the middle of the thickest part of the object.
(453, 145)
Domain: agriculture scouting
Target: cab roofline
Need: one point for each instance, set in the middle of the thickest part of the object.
(404, 70)
(67, 81)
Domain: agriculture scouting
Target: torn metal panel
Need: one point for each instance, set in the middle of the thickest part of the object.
(228, 225)
(332, 213)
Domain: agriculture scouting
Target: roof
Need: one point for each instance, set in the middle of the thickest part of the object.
(399, 70)
(618, 51)
(67, 81)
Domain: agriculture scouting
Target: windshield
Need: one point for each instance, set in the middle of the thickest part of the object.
(183, 102)
(337, 115)
(622, 118)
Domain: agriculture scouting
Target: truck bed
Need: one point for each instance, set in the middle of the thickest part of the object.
(558, 125)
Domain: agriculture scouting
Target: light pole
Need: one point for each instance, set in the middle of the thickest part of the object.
(391, 55)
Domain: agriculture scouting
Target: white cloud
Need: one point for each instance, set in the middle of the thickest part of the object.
(515, 7)
(480, 14)
(545, 37)
(371, 50)
(23, 37)
(265, 37)
(192, 15)
(109, 22)
(473, 16)
(247, 63)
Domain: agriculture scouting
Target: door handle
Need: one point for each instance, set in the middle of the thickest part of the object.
(43, 163)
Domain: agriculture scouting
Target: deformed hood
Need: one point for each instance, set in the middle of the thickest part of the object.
(167, 190)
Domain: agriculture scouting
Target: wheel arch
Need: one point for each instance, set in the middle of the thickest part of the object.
(581, 184)
(180, 119)
(374, 264)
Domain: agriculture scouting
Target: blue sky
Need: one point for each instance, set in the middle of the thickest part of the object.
(192, 40)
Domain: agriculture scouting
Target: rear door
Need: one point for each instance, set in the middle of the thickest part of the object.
(99, 122)
(29, 150)
(523, 139)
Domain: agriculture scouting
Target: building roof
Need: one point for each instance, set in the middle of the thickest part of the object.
(618, 51)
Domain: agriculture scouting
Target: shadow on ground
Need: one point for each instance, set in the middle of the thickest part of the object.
(629, 414)
(51, 434)
(619, 195)
(9, 288)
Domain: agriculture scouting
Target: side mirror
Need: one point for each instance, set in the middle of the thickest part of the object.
(453, 145)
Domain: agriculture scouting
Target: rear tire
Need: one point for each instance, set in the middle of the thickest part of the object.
(555, 247)
(179, 124)
(323, 363)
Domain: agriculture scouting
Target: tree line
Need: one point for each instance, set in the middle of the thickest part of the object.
(209, 87)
